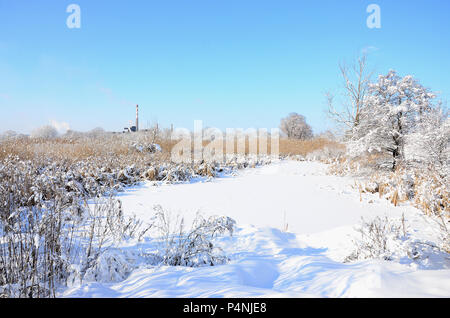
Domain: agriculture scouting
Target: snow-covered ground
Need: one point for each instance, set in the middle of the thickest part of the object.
(295, 226)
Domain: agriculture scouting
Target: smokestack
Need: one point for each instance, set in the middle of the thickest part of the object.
(137, 117)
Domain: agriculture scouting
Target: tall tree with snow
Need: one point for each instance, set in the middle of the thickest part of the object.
(393, 109)
(45, 132)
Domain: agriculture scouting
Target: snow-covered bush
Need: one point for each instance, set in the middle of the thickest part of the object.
(178, 173)
(109, 267)
(388, 239)
(144, 147)
(326, 154)
(192, 247)
(378, 239)
(429, 143)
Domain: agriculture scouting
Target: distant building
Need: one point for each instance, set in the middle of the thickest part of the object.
(134, 128)
(130, 129)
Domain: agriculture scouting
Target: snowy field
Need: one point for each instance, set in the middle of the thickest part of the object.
(295, 225)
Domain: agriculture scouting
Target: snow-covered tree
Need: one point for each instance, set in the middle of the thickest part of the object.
(96, 132)
(8, 134)
(430, 142)
(295, 126)
(393, 109)
(45, 132)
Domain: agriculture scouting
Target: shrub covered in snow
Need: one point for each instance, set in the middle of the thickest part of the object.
(326, 154)
(388, 239)
(192, 247)
(379, 238)
(110, 266)
(144, 147)
(429, 144)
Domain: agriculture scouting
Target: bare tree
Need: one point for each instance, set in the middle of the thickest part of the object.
(295, 126)
(356, 79)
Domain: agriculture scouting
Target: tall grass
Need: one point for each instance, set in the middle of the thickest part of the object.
(80, 148)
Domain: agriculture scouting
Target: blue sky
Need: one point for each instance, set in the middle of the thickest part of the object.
(230, 63)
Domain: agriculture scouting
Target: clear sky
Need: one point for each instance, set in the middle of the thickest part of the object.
(230, 63)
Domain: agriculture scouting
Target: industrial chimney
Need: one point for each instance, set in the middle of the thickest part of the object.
(137, 117)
